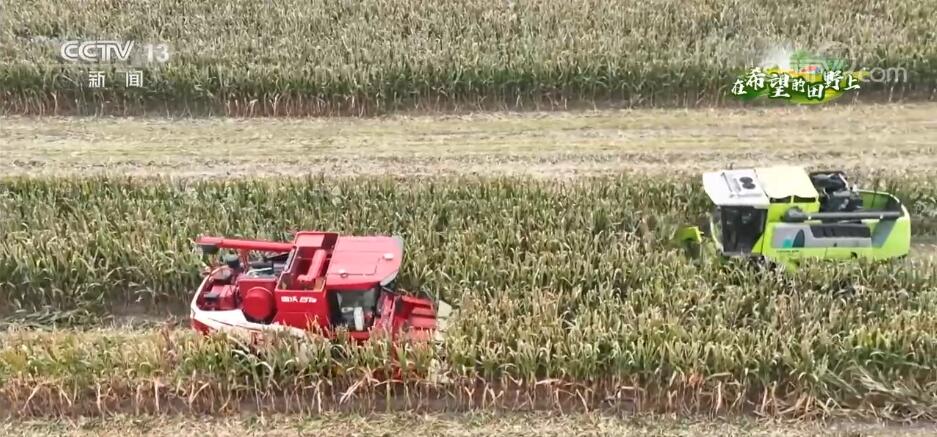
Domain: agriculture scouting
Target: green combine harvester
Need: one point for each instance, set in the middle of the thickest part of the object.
(784, 215)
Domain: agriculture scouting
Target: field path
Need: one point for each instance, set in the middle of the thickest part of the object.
(468, 424)
(554, 145)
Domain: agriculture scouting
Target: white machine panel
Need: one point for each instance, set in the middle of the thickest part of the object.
(735, 188)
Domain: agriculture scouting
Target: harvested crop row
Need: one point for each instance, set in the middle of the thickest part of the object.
(557, 145)
(325, 57)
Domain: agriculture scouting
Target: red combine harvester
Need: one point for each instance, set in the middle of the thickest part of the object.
(319, 281)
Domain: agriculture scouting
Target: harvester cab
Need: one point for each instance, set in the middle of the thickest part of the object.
(320, 281)
(785, 215)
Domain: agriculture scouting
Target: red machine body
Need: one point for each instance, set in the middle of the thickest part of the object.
(321, 281)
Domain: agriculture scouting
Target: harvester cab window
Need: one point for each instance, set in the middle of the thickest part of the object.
(715, 223)
(355, 309)
(740, 227)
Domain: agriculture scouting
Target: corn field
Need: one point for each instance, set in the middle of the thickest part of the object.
(349, 57)
(568, 297)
